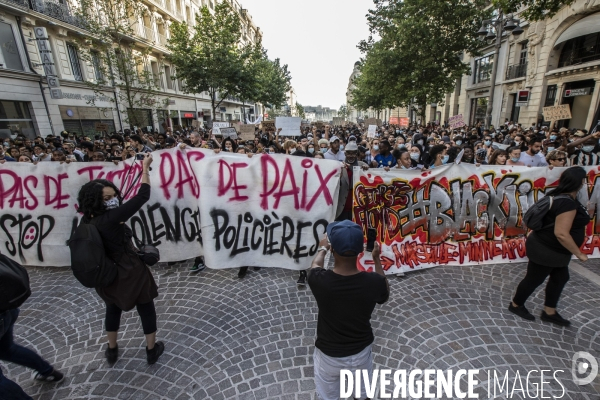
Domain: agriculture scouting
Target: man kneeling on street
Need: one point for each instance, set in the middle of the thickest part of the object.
(346, 298)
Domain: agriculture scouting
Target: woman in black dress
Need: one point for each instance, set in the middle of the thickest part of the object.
(101, 204)
(550, 249)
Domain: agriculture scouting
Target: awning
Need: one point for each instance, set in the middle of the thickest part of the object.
(585, 26)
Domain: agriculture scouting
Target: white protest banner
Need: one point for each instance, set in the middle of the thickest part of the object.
(290, 126)
(458, 214)
(228, 133)
(38, 206)
(372, 131)
(456, 122)
(265, 211)
(216, 129)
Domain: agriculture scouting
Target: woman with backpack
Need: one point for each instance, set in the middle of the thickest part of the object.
(100, 202)
(551, 247)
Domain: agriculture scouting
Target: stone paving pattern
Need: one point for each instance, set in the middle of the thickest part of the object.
(253, 338)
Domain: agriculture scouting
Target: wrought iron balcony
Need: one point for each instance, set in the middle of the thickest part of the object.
(516, 71)
(51, 8)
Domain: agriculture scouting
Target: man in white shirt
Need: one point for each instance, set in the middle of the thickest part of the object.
(533, 156)
(334, 152)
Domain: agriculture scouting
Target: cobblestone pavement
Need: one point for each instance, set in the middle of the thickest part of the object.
(253, 338)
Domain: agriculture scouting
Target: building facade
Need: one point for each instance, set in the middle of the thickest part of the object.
(555, 61)
(39, 51)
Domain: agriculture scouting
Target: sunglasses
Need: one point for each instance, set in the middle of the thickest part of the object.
(560, 159)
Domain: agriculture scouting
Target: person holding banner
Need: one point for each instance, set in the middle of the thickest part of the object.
(100, 201)
(550, 248)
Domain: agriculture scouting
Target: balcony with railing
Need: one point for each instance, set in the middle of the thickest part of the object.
(148, 33)
(51, 8)
(162, 39)
(516, 71)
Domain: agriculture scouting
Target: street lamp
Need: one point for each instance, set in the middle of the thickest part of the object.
(488, 34)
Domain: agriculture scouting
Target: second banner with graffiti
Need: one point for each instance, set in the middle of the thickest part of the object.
(457, 214)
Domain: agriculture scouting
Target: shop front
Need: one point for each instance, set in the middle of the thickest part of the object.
(15, 119)
(578, 95)
(187, 117)
(163, 120)
(478, 110)
(89, 121)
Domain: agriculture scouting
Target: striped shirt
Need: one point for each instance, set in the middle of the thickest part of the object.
(583, 159)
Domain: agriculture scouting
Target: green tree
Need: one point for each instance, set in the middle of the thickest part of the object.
(274, 82)
(343, 112)
(418, 57)
(210, 57)
(535, 9)
(300, 111)
(119, 64)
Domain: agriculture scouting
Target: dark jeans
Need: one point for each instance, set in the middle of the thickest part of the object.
(10, 351)
(146, 311)
(536, 275)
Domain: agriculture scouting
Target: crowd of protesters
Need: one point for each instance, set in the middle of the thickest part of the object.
(346, 297)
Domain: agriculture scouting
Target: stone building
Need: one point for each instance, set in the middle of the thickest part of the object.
(556, 60)
(29, 106)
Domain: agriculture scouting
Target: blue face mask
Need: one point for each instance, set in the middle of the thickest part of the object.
(514, 159)
(311, 150)
(588, 149)
(341, 147)
(488, 142)
(401, 146)
(550, 149)
(112, 203)
(458, 142)
(445, 159)
(324, 150)
(552, 137)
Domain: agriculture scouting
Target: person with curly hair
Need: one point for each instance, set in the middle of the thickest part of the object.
(101, 204)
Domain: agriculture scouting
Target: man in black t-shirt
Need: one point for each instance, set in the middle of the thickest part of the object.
(346, 298)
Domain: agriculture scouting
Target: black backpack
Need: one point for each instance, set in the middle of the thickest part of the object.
(89, 262)
(14, 284)
(534, 217)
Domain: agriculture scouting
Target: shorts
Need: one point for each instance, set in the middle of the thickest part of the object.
(327, 371)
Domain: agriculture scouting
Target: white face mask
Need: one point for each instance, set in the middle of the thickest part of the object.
(376, 147)
(415, 156)
(112, 203)
(292, 151)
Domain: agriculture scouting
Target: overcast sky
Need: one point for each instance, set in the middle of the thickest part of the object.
(317, 39)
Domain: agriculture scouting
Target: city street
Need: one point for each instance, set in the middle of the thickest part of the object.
(253, 338)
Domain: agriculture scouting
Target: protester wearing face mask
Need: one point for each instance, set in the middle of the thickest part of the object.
(438, 154)
(588, 154)
(404, 160)
(373, 151)
(533, 157)
(134, 287)
(416, 152)
(458, 140)
(514, 156)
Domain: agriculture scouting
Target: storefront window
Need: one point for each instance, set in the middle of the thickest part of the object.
(15, 119)
(140, 118)
(478, 110)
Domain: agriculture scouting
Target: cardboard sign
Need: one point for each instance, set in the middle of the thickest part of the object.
(320, 125)
(555, 113)
(228, 133)
(101, 127)
(373, 121)
(247, 131)
(196, 124)
(267, 125)
(290, 126)
(339, 121)
(456, 122)
(372, 131)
